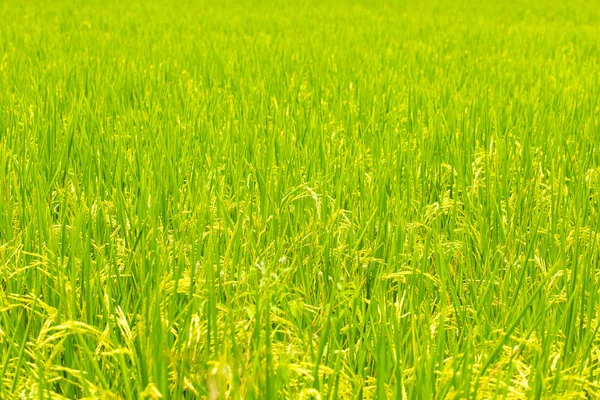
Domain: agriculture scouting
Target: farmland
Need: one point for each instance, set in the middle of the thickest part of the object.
(264, 199)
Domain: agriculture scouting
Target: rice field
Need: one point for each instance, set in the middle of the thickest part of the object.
(269, 199)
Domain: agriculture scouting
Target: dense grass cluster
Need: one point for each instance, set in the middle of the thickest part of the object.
(299, 199)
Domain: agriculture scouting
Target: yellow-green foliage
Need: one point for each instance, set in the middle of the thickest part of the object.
(264, 199)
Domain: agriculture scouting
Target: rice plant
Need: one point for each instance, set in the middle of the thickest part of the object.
(265, 199)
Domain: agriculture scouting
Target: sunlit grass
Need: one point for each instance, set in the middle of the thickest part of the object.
(286, 199)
